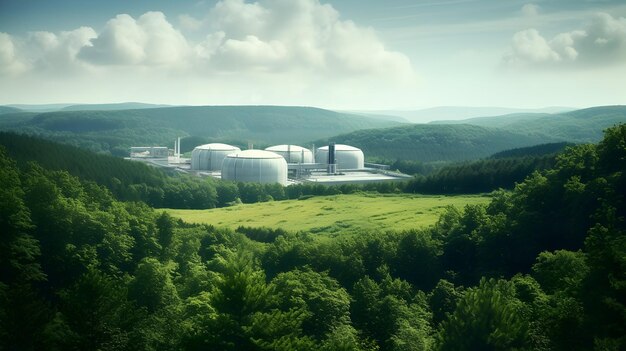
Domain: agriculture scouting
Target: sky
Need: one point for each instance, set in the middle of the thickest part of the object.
(338, 54)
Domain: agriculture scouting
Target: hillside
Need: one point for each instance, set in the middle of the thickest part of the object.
(579, 126)
(115, 131)
(111, 107)
(536, 150)
(9, 109)
(462, 112)
(432, 142)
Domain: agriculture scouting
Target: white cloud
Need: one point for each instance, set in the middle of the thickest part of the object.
(283, 35)
(278, 36)
(149, 40)
(189, 23)
(57, 52)
(602, 41)
(278, 51)
(530, 10)
(9, 64)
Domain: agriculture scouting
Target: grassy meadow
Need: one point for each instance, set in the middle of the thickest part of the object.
(332, 214)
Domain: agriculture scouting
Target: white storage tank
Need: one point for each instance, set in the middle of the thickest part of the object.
(209, 157)
(346, 156)
(293, 153)
(257, 166)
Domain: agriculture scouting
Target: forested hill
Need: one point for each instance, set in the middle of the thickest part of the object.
(579, 126)
(111, 107)
(8, 109)
(433, 142)
(115, 131)
(532, 151)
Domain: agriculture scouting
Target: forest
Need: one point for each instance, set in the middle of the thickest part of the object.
(540, 267)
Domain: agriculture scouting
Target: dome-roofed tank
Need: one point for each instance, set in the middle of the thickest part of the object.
(209, 157)
(255, 166)
(346, 156)
(293, 153)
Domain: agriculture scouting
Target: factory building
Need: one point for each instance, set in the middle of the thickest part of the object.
(346, 157)
(209, 157)
(293, 153)
(255, 166)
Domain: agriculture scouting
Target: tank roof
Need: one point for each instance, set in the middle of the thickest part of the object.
(216, 146)
(285, 147)
(254, 154)
(341, 147)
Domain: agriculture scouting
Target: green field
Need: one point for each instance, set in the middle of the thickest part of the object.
(332, 214)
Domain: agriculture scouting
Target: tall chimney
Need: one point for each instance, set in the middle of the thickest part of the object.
(332, 166)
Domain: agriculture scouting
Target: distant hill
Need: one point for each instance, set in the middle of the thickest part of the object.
(380, 116)
(461, 112)
(434, 142)
(111, 107)
(39, 107)
(533, 151)
(9, 109)
(580, 126)
(115, 131)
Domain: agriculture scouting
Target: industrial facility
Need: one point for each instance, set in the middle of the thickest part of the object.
(209, 157)
(257, 166)
(332, 164)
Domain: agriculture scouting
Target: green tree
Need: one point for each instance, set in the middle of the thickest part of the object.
(486, 318)
(327, 304)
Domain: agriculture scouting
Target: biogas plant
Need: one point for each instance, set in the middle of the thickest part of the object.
(332, 164)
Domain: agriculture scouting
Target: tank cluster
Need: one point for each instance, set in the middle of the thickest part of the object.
(272, 164)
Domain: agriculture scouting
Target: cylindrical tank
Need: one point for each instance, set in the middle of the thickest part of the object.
(346, 156)
(255, 166)
(293, 153)
(209, 157)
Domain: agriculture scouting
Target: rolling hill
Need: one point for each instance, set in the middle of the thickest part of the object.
(9, 109)
(435, 142)
(462, 112)
(579, 126)
(111, 107)
(115, 131)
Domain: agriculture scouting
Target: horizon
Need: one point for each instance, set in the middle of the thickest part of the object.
(338, 55)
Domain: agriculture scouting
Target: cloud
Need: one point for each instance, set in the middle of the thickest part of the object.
(602, 41)
(57, 52)
(149, 40)
(275, 51)
(9, 64)
(530, 10)
(279, 35)
(272, 36)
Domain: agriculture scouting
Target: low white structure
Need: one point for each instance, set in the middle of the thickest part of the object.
(293, 153)
(209, 157)
(346, 156)
(257, 166)
(149, 151)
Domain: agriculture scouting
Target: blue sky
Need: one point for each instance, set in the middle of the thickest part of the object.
(346, 54)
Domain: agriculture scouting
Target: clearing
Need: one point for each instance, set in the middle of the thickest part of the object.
(335, 213)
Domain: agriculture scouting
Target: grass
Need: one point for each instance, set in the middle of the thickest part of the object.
(334, 214)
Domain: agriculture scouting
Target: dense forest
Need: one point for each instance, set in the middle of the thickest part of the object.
(538, 268)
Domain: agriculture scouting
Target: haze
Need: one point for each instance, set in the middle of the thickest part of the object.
(347, 54)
